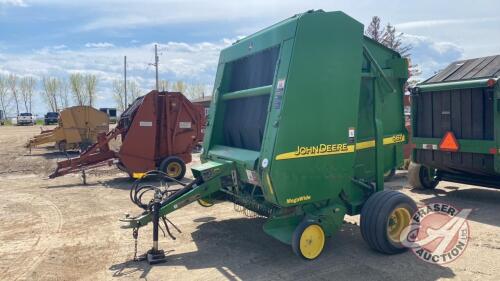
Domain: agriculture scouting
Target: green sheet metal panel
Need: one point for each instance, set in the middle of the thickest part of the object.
(319, 106)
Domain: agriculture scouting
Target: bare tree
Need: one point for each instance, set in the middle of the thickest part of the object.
(392, 39)
(179, 86)
(77, 85)
(387, 36)
(63, 94)
(119, 94)
(191, 91)
(133, 90)
(414, 72)
(163, 85)
(12, 82)
(26, 87)
(51, 90)
(4, 95)
(374, 30)
(194, 91)
(90, 82)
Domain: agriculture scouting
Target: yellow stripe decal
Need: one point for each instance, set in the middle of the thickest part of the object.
(269, 184)
(333, 149)
(365, 144)
(394, 139)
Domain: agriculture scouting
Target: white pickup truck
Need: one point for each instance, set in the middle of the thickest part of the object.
(25, 119)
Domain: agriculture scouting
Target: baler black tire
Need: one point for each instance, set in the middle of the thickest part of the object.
(418, 177)
(122, 168)
(173, 159)
(84, 144)
(297, 235)
(375, 216)
(62, 146)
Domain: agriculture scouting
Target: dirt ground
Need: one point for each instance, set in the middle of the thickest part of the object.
(62, 230)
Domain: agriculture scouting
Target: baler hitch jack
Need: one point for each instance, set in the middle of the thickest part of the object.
(154, 255)
(162, 197)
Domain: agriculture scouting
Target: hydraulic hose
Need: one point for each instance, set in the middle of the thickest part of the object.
(138, 190)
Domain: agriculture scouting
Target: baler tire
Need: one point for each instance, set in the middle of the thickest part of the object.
(376, 214)
(417, 177)
(297, 237)
(84, 144)
(122, 168)
(62, 146)
(169, 161)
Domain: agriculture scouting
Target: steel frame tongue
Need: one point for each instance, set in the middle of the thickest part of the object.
(164, 202)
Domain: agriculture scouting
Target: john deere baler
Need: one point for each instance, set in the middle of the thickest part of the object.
(306, 117)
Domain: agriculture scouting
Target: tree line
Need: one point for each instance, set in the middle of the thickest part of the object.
(191, 91)
(57, 93)
(17, 93)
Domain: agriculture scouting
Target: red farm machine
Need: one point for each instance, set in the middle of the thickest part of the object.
(158, 132)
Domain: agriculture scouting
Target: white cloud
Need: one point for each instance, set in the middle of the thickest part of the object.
(431, 55)
(190, 62)
(442, 22)
(59, 47)
(17, 3)
(135, 14)
(99, 45)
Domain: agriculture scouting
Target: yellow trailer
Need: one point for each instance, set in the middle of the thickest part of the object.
(78, 127)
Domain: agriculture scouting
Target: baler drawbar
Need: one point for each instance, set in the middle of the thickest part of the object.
(99, 154)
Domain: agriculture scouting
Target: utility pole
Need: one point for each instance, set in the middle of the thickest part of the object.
(156, 65)
(125, 79)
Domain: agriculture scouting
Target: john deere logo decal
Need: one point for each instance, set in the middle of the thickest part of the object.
(317, 150)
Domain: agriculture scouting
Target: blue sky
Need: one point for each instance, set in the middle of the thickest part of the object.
(58, 37)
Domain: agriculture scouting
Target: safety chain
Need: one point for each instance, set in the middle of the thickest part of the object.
(135, 234)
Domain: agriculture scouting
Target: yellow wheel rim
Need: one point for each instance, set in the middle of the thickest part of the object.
(173, 169)
(312, 241)
(205, 203)
(398, 220)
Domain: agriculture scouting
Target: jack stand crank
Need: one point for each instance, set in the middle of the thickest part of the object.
(155, 255)
(84, 177)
